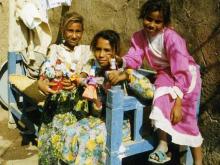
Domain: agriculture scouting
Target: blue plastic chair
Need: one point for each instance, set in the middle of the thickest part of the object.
(18, 102)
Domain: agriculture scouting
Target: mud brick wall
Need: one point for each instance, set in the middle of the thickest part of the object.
(197, 21)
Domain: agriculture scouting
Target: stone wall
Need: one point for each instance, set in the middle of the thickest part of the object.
(198, 21)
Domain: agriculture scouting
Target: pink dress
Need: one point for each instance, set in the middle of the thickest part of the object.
(177, 75)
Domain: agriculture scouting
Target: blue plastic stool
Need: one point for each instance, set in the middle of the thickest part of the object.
(117, 105)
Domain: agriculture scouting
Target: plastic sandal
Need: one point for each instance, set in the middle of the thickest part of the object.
(161, 157)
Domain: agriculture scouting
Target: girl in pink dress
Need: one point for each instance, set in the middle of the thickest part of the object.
(178, 82)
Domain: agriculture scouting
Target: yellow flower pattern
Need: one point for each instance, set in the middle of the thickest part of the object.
(91, 144)
(89, 161)
(55, 139)
(70, 157)
(75, 137)
(100, 139)
(140, 85)
(77, 162)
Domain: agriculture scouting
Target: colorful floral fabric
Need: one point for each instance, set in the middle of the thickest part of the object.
(140, 85)
(70, 133)
(61, 110)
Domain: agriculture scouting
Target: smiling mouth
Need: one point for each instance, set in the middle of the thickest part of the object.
(73, 41)
(103, 61)
(150, 29)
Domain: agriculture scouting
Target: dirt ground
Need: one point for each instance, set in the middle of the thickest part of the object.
(16, 149)
(13, 146)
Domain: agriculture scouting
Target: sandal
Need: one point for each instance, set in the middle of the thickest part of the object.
(158, 157)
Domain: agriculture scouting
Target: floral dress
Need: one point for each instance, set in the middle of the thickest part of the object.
(66, 107)
(78, 139)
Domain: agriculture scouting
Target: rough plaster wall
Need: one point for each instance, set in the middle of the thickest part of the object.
(200, 24)
(3, 30)
(197, 21)
(109, 14)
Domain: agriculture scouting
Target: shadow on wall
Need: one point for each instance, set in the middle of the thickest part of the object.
(215, 32)
(213, 100)
(206, 69)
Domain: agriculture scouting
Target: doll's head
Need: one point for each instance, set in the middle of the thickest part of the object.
(72, 29)
(105, 45)
(59, 69)
(155, 15)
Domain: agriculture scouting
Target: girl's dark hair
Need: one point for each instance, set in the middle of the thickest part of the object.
(156, 5)
(110, 35)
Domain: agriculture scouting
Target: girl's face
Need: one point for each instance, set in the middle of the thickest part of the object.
(103, 52)
(72, 34)
(153, 23)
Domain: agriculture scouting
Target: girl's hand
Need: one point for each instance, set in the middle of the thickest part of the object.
(97, 103)
(97, 108)
(45, 86)
(176, 112)
(117, 76)
(68, 84)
